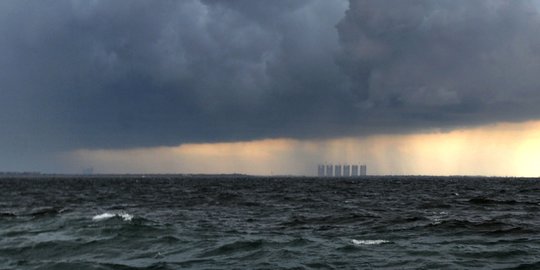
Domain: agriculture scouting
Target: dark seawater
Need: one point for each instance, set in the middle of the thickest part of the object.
(269, 223)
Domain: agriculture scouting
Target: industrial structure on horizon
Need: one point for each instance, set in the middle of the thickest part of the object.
(341, 170)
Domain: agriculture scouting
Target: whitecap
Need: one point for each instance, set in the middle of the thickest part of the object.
(102, 216)
(436, 221)
(125, 216)
(106, 215)
(437, 217)
(369, 242)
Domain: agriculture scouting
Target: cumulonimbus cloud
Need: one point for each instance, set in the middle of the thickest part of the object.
(443, 62)
(122, 74)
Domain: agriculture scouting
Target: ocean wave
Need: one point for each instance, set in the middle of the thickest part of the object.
(46, 211)
(333, 219)
(234, 247)
(487, 201)
(484, 226)
(173, 224)
(125, 216)
(7, 215)
(369, 242)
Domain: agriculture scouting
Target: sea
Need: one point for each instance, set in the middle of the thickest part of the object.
(242, 222)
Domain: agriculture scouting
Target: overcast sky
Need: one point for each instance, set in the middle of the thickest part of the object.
(120, 75)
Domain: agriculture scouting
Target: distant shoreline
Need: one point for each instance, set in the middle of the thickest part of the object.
(4, 175)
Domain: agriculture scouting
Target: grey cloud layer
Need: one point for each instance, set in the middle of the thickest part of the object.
(444, 62)
(116, 74)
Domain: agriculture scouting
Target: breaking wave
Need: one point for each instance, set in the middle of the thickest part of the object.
(269, 223)
(107, 215)
(369, 242)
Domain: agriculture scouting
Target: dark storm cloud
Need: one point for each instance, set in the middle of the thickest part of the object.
(145, 73)
(443, 63)
(115, 74)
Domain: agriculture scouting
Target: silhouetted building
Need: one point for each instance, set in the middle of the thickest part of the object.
(329, 170)
(88, 171)
(337, 170)
(320, 170)
(346, 170)
(363, 170)
(354, 171)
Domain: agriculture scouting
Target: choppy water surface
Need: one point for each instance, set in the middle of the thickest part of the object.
(269, 223)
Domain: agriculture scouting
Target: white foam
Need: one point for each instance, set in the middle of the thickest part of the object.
(436, 221)
(125, 216)
(437, 217)
(106, 215)
(369, 242)
(102, 216)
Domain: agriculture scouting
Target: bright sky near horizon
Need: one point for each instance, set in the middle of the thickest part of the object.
(507, 149)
